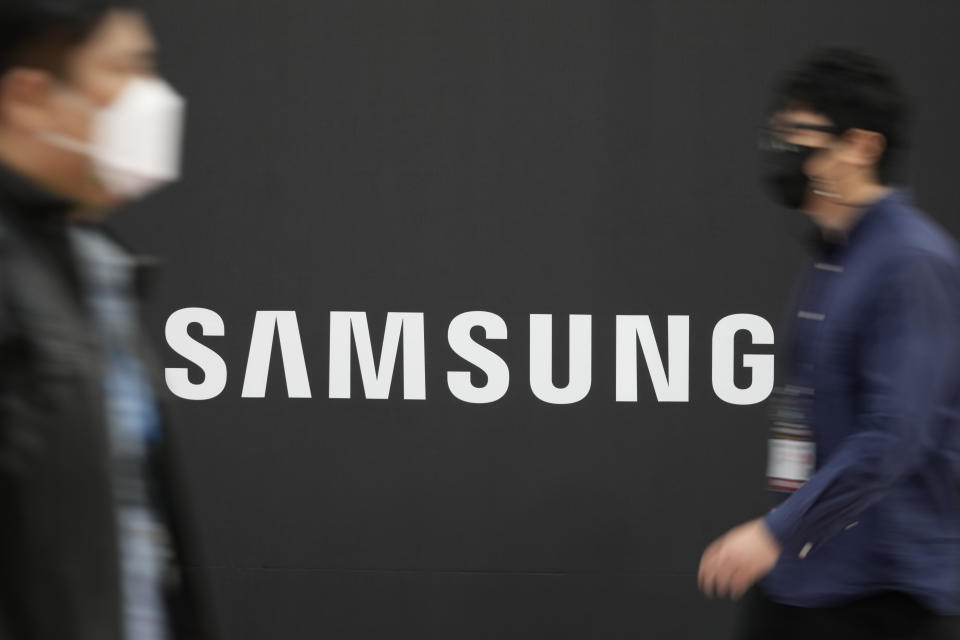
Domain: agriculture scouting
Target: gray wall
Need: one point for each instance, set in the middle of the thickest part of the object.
(517, 157)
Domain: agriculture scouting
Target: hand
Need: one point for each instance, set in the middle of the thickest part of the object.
(737, 559)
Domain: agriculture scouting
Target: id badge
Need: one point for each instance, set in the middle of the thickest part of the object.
(790, 463)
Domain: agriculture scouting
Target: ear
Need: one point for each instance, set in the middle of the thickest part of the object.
(25, 99)
(863, 148)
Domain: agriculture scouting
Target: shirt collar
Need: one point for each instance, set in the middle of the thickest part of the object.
(872, 214)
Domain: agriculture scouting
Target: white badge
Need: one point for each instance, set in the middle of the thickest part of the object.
(790, 463)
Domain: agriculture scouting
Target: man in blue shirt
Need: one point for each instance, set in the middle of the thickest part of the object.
(865, 540)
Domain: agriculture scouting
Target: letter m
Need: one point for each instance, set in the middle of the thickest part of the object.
(377, 377)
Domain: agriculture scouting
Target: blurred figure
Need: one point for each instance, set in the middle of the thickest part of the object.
(864, 542)
(89, 532)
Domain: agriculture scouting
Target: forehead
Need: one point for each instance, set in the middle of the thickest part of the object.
(122, 33)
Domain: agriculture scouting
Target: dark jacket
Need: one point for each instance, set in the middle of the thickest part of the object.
(58, 540)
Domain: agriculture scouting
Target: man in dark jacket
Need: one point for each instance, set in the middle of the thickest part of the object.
(865, 539)
(91, 526)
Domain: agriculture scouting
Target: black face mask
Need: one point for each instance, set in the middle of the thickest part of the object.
(783, 174)
(783, 163)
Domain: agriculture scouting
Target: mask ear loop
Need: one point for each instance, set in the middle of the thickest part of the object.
(823, 193)
(67, 142)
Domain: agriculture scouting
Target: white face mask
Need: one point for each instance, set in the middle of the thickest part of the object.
(136, 139)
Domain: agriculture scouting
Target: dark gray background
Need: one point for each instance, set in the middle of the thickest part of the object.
(516, 157)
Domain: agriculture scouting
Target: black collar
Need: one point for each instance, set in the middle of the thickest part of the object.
(24, 197)
(36, 208)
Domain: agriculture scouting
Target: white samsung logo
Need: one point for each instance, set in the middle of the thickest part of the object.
(350, 336)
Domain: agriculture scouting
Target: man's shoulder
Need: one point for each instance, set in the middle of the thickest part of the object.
(922, 233)
(913, 238)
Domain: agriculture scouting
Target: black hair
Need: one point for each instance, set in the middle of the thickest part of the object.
(853, 90)
(42, 33)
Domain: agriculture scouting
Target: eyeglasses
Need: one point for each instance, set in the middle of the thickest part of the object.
(772, 136)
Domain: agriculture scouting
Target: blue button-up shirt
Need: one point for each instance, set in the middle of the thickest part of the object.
(876, 340)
